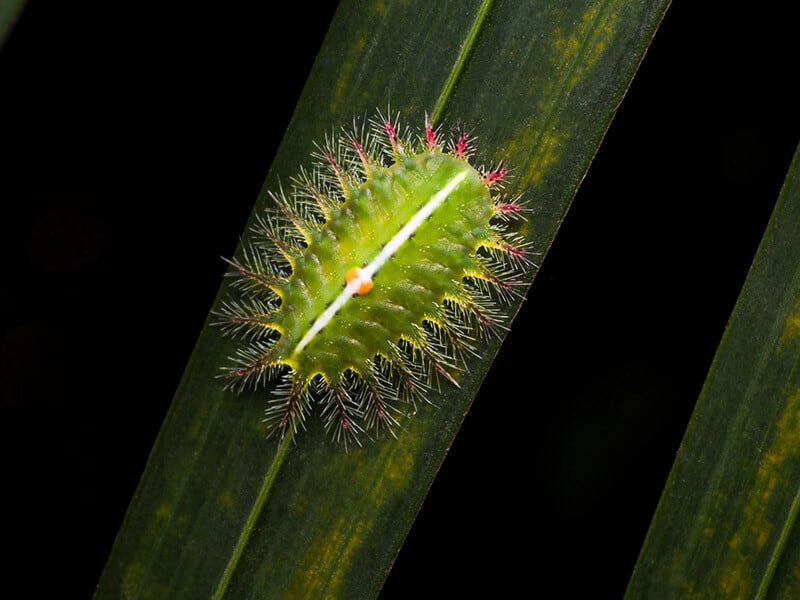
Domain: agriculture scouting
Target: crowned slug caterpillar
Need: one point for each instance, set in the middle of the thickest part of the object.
(386, 263)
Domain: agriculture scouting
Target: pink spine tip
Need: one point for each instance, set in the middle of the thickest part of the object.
(337, 170)
(462, 146)
(514, 251)
(494, 176)
(390, 132)
(508, 207)
(360, 150)
(430, 134)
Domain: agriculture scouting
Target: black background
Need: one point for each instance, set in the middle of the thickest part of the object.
(124, 124)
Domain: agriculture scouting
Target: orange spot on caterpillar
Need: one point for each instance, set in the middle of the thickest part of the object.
(364, 283)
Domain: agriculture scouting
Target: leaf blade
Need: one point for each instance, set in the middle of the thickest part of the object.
(210, 461)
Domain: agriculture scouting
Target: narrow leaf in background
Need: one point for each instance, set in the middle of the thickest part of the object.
(726, 526)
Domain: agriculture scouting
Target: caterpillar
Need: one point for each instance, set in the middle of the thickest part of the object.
(371, 281)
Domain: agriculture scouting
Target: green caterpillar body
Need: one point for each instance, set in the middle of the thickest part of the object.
(370, 282)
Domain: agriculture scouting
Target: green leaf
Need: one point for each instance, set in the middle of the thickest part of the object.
(9, 13)
(726, 523)
(220, 510)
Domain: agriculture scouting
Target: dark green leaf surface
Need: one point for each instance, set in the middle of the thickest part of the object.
(726, 523)
(221, 511)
